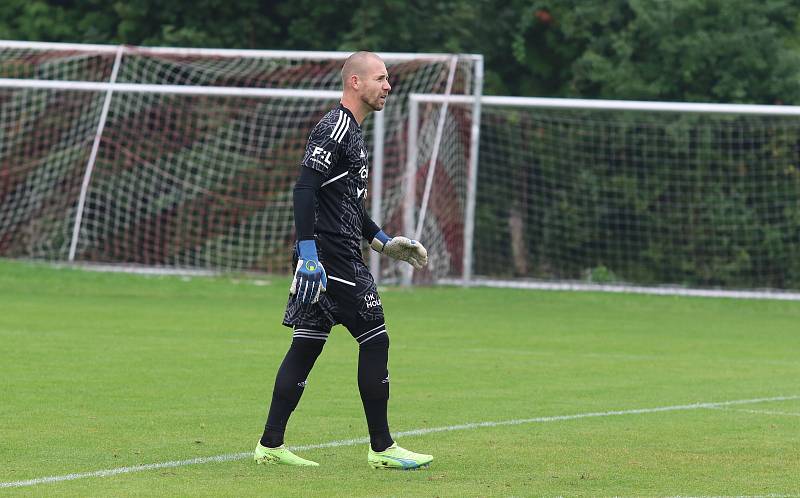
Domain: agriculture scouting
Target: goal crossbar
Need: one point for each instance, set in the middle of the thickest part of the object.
(612, 105)
(221, 91)
(214, 52)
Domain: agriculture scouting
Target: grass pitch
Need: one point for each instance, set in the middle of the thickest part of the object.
(109, 371)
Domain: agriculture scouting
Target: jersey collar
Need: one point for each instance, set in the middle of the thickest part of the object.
(347, 111)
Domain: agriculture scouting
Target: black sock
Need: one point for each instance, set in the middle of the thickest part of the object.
(289, 385)
(373, 384)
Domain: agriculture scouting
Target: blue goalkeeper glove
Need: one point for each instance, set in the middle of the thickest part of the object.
(402, 248)
(309, 276)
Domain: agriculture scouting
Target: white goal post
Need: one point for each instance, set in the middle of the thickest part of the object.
(654, 197)
(182, 158)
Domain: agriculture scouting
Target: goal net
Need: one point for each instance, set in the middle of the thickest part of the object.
(623, 193)
(179, 157)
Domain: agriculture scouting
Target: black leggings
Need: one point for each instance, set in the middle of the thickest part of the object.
(373, 381)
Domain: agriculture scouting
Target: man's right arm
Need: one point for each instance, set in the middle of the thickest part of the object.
(305, 194)
(321, 155)
(309, 277)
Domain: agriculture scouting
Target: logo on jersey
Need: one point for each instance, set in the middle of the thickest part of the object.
(372, 300)
(311, 265)
(361, 191)
(324, 155)
(362, 155)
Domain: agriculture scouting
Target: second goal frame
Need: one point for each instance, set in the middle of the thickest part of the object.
(467, 276)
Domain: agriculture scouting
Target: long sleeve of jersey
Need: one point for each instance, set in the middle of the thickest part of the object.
(305, 194)
(368, 227)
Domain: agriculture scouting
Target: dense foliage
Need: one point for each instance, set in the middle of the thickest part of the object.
(696, 50)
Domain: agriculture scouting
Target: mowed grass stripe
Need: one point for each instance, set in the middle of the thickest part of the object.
(414, 432)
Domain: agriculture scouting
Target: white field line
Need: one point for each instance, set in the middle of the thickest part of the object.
(622, 289)
(758, 412)
(738, 496)
(364, 440)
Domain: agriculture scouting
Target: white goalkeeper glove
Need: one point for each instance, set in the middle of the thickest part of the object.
(402, 248)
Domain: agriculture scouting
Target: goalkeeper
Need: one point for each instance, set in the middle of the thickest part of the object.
(331, 284)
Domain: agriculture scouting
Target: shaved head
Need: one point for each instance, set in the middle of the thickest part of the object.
(359, 64)
(365, 84)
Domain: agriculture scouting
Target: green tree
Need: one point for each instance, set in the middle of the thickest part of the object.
(692, 50)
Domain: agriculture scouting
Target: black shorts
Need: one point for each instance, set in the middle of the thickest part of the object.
(351, 298)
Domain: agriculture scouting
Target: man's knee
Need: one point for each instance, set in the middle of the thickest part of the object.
(373, 375)
(376, 343)
(307, 347)
(291, 381)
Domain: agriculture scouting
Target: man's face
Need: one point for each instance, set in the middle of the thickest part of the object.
(375, 85)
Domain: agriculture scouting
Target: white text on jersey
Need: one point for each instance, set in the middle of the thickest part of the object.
(326, 156)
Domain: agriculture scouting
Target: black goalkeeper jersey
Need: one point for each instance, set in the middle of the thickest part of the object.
(336, 149)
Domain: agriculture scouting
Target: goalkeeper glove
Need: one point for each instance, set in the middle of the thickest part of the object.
(402, 248)
(309, 276)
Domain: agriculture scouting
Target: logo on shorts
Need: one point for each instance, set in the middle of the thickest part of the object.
(302, 384)
(372, 300)
(311, 265)
(386, 380)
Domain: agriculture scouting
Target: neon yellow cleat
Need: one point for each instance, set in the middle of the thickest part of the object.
(395, 457)
(281, 456)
